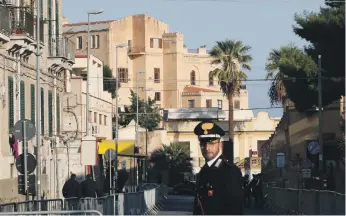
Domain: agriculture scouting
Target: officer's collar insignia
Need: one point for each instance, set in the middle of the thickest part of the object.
(207, 126)
(218, 162)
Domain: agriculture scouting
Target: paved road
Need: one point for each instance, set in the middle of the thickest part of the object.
(182, 205)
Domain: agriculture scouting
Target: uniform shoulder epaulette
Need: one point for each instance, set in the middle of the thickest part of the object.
(227, 162)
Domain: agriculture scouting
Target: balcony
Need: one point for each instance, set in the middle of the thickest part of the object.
(61, 54)
(5, 30)
(132, 51)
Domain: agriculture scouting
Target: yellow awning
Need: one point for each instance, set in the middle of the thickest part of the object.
(125, 146)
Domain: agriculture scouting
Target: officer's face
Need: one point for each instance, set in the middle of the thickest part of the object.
(210, 149)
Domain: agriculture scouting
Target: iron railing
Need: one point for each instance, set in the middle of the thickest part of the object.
(5, 20)
(62, 47)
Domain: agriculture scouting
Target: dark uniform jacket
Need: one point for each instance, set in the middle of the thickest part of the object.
(71, 189)
(219, 189)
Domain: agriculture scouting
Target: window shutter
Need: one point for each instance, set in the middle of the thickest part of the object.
(58, 113)
(151, 42)
(50, 114)
(32, 93)
(22, 100)
(10, 103)
(42, 111)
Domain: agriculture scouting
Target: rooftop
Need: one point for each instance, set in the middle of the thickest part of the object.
(195, 89)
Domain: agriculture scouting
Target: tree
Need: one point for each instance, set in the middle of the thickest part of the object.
(232, 58)
(174, 158)
(150, 120)
(109, 82)
(325, 31)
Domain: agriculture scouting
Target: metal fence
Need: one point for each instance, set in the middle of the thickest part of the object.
(300, 201)
(135, 203)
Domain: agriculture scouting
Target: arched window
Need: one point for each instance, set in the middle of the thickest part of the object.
(193, 77)
(211, 78)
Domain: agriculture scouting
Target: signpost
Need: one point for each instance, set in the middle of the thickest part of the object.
(111, 155)
(24, 130)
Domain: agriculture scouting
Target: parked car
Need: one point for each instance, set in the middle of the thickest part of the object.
(185, 188)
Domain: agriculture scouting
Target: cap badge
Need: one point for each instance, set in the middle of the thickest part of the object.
(207, 126)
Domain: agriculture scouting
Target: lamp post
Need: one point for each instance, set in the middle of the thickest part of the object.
(137, 116)
(93, 12)
(116, 115)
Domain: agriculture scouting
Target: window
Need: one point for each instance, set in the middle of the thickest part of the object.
(42, 111)
(193, 77)
(95, 117)
(155, 43)
(79, 42)
(90, 116)
(105, 120)
(22, 99)
(50, 113)
(100, 119)
(11, 103)
(32, 94)
(209, 103)
(157, 96)
(219, 104)
(236, 104)
(156, 75)
(123, 75)
(12, 170)
(95, 41)
(191, 103)
(211, 78)
(58, 114)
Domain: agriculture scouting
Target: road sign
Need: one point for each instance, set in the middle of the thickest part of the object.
(30, 130)
(31, 186)
(31, 163)
(280, 160)
(306, 173)
(314, 147)
(110, 154)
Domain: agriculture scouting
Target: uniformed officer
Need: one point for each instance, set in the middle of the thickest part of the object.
(219, 183)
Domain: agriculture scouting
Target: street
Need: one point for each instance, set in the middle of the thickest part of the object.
(182, 205)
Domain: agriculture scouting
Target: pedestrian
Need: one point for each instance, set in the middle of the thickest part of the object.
(89, 188)
(247, 191)
(72, 192)
(219, 183)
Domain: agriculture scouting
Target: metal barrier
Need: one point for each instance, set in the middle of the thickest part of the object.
(87, 212)
(136, 203)
(300, 201)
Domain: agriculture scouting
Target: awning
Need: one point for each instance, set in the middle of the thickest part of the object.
(124, 146)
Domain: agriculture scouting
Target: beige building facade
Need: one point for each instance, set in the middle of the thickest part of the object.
(154, 59)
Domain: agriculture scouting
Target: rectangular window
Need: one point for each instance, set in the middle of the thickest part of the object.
(191, 103)
(155, 43)
(90, 116)
(22, 99)
(219, 104)
(95, 117)
(100, 119)
(236, 104)
(12, 170)
(156, 75)
(50, 113)
(58, 114)
(123, 75)
(157, 96)
(10, 103)
(79, 42)
(33, 97)
(105, 120)
(209, 103)
(42, 111)
(93, 41)
(97, 41)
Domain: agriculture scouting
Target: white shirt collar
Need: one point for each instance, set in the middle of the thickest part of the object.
(213, 160)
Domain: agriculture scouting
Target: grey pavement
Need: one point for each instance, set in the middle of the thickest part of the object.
(183, 205)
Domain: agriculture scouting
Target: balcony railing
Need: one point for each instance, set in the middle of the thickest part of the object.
(22, 21)
(5, 20)
(62, 47)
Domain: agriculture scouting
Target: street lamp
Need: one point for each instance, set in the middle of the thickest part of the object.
(137, 115)
(93, 12)
(116, 115)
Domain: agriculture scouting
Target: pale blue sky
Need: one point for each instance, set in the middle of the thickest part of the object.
(262, 24)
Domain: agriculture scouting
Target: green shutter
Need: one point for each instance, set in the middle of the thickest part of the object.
(50, 114)
(32, 93)
(10, 103)
(42, 111)
(22, 99)
(58, 114)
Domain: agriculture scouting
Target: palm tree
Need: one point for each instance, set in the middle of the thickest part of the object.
(277, 92)
(174, 158)
(232, 58)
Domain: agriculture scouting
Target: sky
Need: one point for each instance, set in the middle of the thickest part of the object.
(262, 24)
